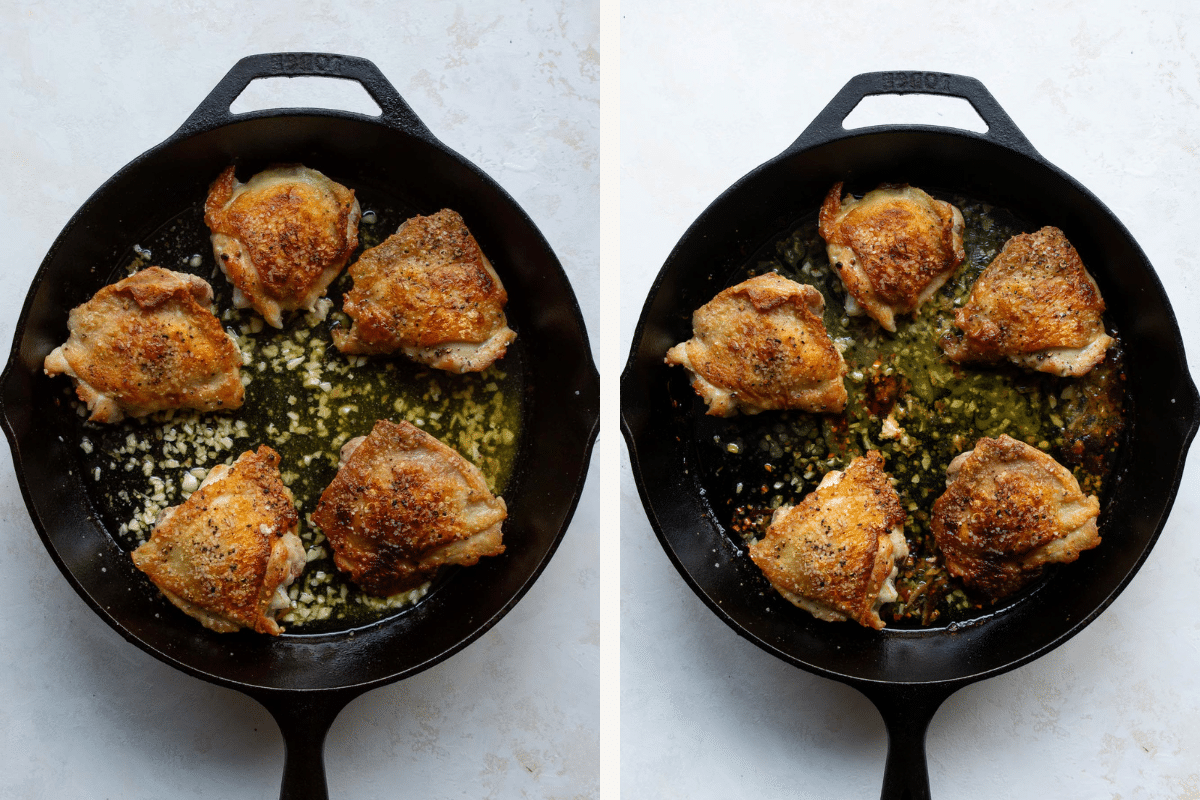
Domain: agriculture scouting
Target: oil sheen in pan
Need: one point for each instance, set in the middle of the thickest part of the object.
(915, 407)
(303, 398)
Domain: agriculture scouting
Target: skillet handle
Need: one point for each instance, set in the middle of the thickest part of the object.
(828, 127)
(214, 112)
(907, 712)
(304, 719)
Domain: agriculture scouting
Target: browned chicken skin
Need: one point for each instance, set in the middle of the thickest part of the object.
(893, 248)
(1009, 509)
(148, 343)
(429, 292)
(282, 237)
(402, 505)
(835, 554)
(762, 345)
(226, 554)
(1035, 305)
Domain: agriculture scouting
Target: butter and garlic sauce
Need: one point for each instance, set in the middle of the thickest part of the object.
(913, 405)
(305, 400)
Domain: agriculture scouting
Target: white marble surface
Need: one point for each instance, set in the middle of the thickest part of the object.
(1108, 92)
(84, 88)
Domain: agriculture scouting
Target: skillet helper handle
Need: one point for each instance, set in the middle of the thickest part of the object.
(1189, 412)
(304, 720)
(8, 380)
(907, 712)
(828, 127)
(214, 111)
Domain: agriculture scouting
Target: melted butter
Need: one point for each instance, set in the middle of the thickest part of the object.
(305, 400)
(914, 406)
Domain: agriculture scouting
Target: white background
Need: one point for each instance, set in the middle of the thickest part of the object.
(85, 88)
(1109, 92)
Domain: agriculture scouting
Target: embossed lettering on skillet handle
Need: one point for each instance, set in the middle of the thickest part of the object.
(213, 111)
(827, 126)
(916, 82)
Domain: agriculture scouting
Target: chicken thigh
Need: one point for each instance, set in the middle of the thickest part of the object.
(1035, 305)
(282, 237)
(228, 553)
(148, 343)
(429, 292)
(402, 505)
(835, 554)
(1009, 509)
(762, 345)
(893, 248)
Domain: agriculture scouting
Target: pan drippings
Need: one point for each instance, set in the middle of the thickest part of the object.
(305, 400)
(908, 402)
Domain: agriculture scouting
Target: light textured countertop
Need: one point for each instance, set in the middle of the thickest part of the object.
(84, 89)
(1107, 92)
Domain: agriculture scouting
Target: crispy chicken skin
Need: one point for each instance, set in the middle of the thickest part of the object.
(148, 343)
(1035, 305)
(226, 554)
(1008, 509)
(403, 504)
(835, 554)
(429, 292)
(893, 249)
(282, 237)
(762, 345)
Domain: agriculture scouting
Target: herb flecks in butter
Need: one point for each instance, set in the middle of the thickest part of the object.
(305, 400)
(914, 406)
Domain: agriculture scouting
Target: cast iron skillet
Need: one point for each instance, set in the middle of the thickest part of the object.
(907, 674)
(304, 681)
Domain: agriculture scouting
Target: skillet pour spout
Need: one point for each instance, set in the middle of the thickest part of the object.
(304, 680)
(907, 674)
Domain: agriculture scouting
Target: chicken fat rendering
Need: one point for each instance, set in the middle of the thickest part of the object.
(1008, 510)
(762, 345)
(402, 505)
(893, 249)
(227, 554)
(147, 343)
(282, 237)
(835, 554)
(428, 292)
(1035, 305)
